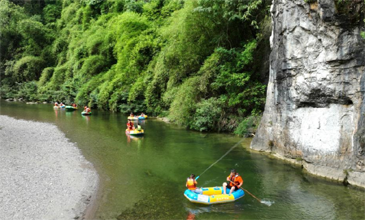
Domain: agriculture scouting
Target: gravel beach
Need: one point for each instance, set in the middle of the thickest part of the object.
(42, 174)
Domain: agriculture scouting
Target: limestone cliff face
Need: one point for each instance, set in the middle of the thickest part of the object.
(315, 107)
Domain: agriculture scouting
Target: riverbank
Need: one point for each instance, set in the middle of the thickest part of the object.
(42, 174)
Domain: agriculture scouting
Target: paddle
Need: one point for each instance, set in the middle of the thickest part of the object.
(263, 202)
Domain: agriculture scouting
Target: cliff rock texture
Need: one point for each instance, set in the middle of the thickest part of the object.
(315, 109)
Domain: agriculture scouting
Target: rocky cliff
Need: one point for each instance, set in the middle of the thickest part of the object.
(315, 109)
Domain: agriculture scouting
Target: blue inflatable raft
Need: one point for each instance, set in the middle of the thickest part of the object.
(213, 195)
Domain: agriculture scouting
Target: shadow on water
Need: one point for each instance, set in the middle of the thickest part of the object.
(144, 178)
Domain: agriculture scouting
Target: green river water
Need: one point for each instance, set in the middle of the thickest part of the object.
(144, 178)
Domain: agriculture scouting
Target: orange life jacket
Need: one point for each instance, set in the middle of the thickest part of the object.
(237, 180)
(191, 184)
(130, 125)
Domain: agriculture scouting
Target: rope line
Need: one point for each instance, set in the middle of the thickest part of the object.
(234, 146)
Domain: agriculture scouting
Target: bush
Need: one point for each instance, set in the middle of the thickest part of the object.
(184, 104)
(45, 76)
(7, 91)
(248, 126)
(28, 68)
(208, 113)
(28, 91)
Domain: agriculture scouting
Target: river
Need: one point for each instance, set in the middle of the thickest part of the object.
(144, 178)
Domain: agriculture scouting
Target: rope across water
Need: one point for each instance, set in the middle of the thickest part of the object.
(234, 146)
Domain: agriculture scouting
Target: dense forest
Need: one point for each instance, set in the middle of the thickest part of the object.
(201, 63)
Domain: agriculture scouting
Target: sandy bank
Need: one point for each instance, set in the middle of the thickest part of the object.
(42, 174)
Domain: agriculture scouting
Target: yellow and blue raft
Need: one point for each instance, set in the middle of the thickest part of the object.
(212, 195)
(134, 132)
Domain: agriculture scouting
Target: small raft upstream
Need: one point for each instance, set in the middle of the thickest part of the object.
(70, 108)
(134, 132)
(133, 118)
(213, 195)
(86, 113)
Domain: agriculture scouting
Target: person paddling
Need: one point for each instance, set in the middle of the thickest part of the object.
(235, 181)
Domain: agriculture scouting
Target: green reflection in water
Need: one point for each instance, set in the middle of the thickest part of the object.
(144, 178)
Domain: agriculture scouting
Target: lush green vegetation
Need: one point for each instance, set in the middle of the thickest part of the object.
(197, 62)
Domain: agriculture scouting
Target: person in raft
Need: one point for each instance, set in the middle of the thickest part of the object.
(191, 184)
(88, 110)
(235, 181)
(130, 125)
(131, 115)
(139, 128)
(85, 107)
(56, 104)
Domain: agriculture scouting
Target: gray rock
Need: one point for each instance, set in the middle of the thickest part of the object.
(315, 99)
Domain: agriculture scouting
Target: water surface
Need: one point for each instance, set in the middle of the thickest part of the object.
(144, 178)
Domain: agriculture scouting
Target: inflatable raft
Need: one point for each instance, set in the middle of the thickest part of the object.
(134, 132)
(70, 108)
(133, 118)
(213, 195)
(142, 117)
(86, 113)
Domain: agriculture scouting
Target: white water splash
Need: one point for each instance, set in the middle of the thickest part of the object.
(267, 202)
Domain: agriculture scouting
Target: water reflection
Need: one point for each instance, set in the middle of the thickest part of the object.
(70, 113)
(87, 118)
(56, 111)
(191, 216)
(142, 122)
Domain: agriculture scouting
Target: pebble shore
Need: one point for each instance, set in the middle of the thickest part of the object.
(42, 174)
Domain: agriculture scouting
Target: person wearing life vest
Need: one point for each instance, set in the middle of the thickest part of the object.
(235, 181)
(191, 183)
(130, 125)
